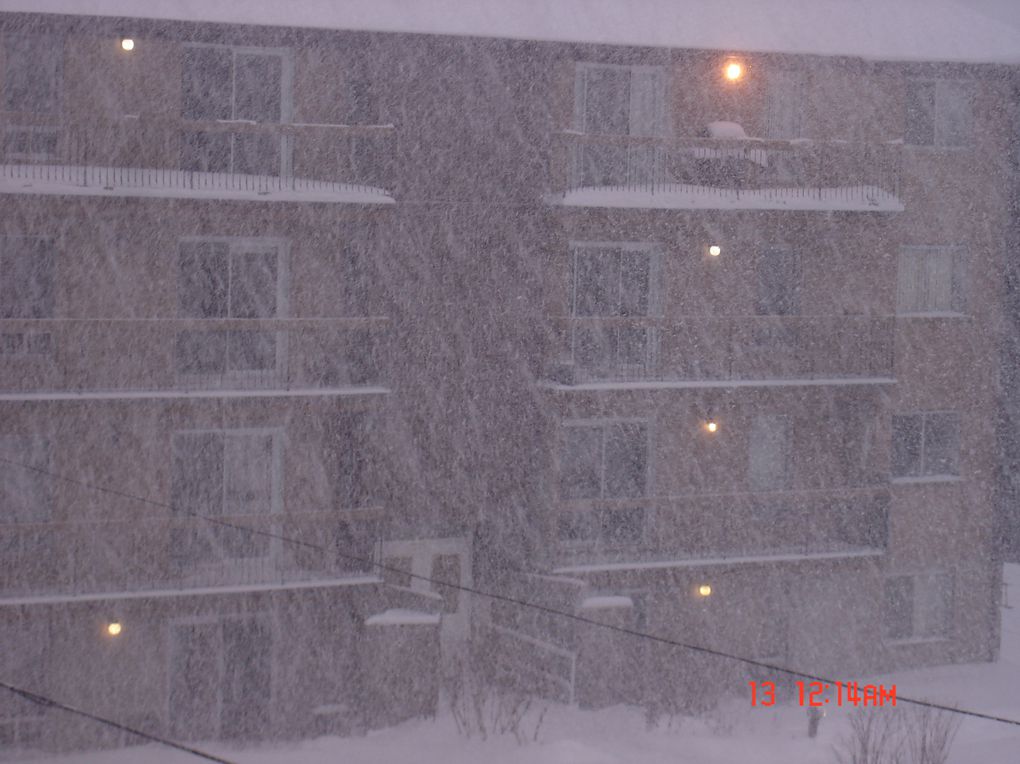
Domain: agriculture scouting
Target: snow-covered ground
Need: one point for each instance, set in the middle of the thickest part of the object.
(734, 734)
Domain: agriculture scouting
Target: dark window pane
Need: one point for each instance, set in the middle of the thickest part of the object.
(778, 283)
(206, 83)
(202, 284)
(247, 678)
(597, 282)
(920, 113)
(197, 487)
(634, 284)
(632, 345)
(257, 87)
(580, 463)
(25, 492)
(363, 104)
(576, 526)
(349, 454)
(27, 267)
(257, 154)
(899, 607)
(955, 120)
(623, 526)
(31, 73)
(39, 343)
(594, 347)
(906, 445)
(205, 152)
(253, 285)
(201, 352)
(251, 351)
(607, 100)
(446, 570)
(626, 460)
(941, 444)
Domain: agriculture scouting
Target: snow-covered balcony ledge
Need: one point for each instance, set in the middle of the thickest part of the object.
(175, 394)
(724, 173)
(772, 558)
(184, 159)
(76, 180)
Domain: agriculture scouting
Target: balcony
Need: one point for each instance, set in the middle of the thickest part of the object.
(165, 556)
(183, 357)
(199, 160)
(738, 529)
(723, 351)
(720, 174)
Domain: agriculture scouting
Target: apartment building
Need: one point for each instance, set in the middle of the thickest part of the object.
(701, 343)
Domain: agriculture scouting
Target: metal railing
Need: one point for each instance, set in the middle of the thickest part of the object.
(162, 554)
(726, 348)
(796, 174)
(752, 525)
(200, 159)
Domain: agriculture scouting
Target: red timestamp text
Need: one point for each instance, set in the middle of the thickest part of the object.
(822, 694)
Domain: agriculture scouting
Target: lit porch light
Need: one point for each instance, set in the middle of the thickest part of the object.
(733, 70)
(711, 425)
(715, 250)
(127, 44)
(705, 590)
(114, 628)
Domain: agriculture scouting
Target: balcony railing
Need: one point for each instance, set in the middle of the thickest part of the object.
(231, 160)
(163, 554)
(693, 173)
(698, 530)
(725, 348)
(183, 354)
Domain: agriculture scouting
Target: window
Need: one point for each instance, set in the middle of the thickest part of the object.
(925, 444)
(220, 677)
(349, 452)
(32, 73)
(446, 570)
(223, 278)
(930, 280)
(784, 104)
(236, 84)
(26, 343)
(31, 144)
(27, 270)
(918, 606)
(228, 473)
(397, 571)
(25, 494)
(778, 283)
(769, 453)
(605, 527)
(24, 662)
(618, 100)
(938, 113)
(613, 281)
(604, 461)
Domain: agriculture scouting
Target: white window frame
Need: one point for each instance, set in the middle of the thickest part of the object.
(785, 86)
(938, 129)
(286, 56)
(274, 551)
(654, 252)
(239, 243)
(925, 584)
(268, 618)
(935, 477)
(55, 242)
(56, 39)
(661, 118)
(604, 424)
(957, 276)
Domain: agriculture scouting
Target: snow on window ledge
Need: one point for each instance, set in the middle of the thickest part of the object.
(402, 617)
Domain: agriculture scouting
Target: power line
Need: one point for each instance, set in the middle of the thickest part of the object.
(48, 702)
(507, 598)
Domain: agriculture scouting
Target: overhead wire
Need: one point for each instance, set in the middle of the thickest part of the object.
(496, 596)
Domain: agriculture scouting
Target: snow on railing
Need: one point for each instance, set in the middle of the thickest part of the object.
(691, 173)
(137, 159)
